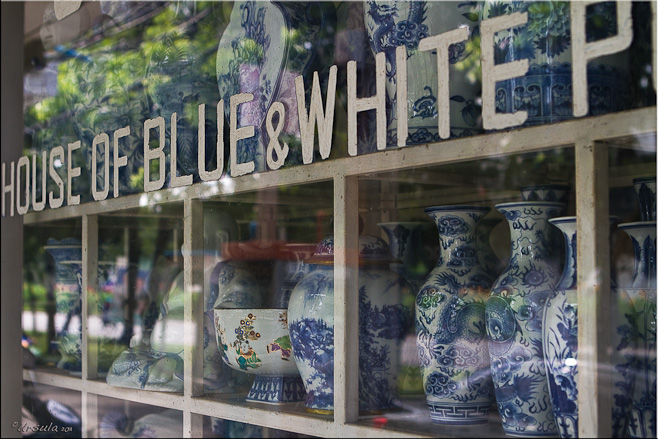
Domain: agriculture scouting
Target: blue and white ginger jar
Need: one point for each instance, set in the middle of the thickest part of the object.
(311, 326)
(395, 23)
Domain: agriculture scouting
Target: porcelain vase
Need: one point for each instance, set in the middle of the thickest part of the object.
(395, 23)
(560, 341)
(68, 302)
(545, 91)
(514, 313)
(311, 325)
(642, 291)
(450, 325)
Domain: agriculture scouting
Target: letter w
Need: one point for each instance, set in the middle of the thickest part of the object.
(324, 120)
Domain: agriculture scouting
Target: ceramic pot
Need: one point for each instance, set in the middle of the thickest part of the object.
(545, 90)
(451, 335)
(642, 291)
(560, 341)
(68, 302)
(395, 23)
(256, 341)
(311, 324)
(514, 313)
(645, 188)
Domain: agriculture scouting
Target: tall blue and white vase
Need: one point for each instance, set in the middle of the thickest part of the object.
(514, 321)
(450, 322)
(545, 41)
(560, 340)
(486, 255)
(311, 326)
(645, 188)
(68, 303)
(642, 291)
(395, 23)
(265, 46)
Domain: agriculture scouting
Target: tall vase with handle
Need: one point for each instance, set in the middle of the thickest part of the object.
(560, 340)
(450, 325)
(514, 321)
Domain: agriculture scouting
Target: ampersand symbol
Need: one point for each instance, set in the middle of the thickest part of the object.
(274, 145)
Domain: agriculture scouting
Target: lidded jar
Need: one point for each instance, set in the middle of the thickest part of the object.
(311, 326)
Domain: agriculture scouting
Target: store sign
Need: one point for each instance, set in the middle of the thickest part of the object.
(19, 185)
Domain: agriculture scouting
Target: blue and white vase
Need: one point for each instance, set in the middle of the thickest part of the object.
(68, 302)
(311, 326)
(395, 23)
(546, 192)
(560, 341)
(265, 46)
(645, 188)
(450, 325)
(545, 90)
(642, 291)
(514, 315)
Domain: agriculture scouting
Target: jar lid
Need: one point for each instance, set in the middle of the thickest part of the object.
(371, 250)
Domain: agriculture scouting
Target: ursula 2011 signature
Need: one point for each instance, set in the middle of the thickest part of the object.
(34, 428)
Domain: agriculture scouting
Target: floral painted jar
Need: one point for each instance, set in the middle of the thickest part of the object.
(514, 313)
(256, 341)
(404, 23)
(450, 325)
(560, 342)
(311, 325)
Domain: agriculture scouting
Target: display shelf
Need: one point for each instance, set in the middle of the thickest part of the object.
(403, 178)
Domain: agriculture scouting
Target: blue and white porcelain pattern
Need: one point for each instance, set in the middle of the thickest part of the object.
(642, 291)
(311, 325)
(514, 313)
(645, 188)
(450, 323)
(264, 47)
(68, 302)
(395, 23)
(546, 192)
(545, 91)
(560, 341)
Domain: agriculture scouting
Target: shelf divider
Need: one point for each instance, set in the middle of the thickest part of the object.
(346, 300)
(593, 253)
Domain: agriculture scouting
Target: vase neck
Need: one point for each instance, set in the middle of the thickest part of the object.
(530, 231)
(569, 279)
(643, 235)
(457, 236)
